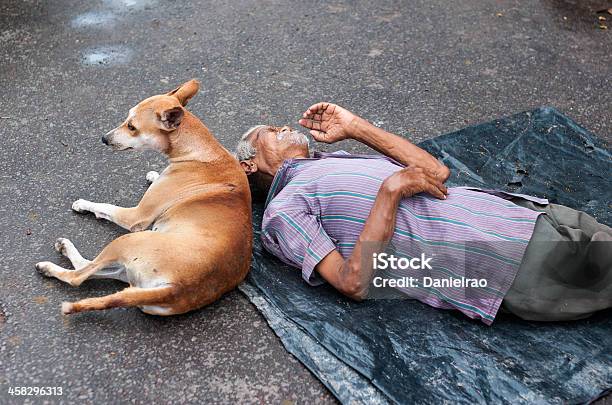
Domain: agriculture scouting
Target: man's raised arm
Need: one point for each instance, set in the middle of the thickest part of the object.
(331, 123)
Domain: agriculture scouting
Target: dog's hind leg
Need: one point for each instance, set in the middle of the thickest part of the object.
(112, 262)
(75, 278)
(67, 249)
(130, 297)
(132, 258)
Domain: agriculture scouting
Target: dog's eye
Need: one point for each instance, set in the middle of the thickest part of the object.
(131, 127)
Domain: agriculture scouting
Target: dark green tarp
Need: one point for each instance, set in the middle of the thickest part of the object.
(406, 352)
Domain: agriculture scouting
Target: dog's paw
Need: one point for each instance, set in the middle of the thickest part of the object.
(152, 176)
(67, 308)
(62, 245)
(44, 268)
(80, 205)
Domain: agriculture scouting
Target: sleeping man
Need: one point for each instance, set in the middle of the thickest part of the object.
(375, 225)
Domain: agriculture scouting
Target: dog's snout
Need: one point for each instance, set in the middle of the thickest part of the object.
(107, 136)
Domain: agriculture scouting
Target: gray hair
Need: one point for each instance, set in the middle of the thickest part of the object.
(245, 149)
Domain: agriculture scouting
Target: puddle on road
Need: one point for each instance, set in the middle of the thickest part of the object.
(133, 4)
(106, 55)
(94, 18)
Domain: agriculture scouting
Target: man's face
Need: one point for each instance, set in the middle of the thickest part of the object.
(274, 145)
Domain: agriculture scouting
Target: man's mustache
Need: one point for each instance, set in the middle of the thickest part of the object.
(294, 137)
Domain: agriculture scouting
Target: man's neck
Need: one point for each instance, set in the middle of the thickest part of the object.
(298, 154)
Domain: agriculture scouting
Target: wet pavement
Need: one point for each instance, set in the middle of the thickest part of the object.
(70, 70)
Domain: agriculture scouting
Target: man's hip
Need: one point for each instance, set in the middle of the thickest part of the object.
(566, 272)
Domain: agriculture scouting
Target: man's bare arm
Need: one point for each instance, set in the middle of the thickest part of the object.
(397, 148)
(331, 123)
(352, 276)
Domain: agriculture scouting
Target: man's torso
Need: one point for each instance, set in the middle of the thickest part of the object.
(471, 234)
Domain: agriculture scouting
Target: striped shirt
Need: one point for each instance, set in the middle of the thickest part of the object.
(320, 204)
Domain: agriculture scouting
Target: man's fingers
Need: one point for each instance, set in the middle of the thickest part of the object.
(305, 123)
(441, 187)
(443, 191)
(319, 136)
(311, 124)
(309, 113)
(318, 107)
(433, 187)
(436, 182)
(435, 191)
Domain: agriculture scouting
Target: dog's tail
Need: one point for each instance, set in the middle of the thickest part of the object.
(129, 297)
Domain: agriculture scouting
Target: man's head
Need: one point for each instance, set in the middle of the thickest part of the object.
(263, 148)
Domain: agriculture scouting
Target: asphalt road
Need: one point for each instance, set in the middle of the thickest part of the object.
(70, 70)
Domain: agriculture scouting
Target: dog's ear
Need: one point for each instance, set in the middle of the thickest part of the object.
(185, 91)
(171, 118)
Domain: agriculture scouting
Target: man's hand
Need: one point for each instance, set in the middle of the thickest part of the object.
(413, 180)
(328, 122)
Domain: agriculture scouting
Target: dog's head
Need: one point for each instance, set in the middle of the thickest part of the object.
(150, 123)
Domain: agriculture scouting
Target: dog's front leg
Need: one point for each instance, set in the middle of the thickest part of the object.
(131, 219)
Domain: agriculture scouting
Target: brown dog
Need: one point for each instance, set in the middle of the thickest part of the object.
(199, 207)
